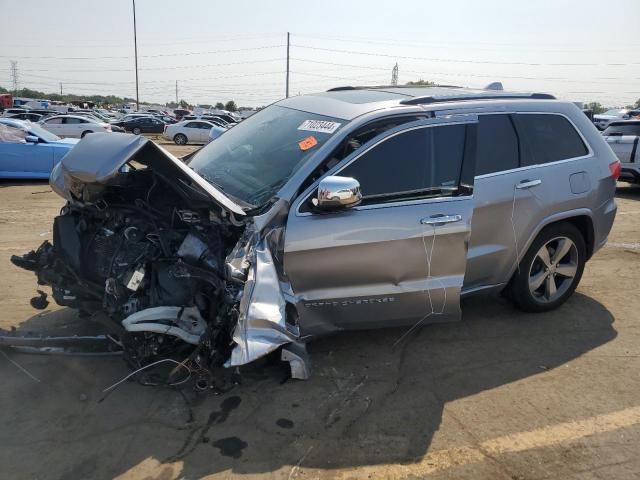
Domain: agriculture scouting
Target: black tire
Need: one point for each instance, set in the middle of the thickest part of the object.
(136, 131)
(532, 267)
(86, 132)
(180, 139)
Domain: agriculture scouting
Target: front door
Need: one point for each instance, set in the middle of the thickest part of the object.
(398, 258)
(19, 158)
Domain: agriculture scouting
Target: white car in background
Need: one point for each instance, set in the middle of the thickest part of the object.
(190, 131)
(215, 132)
(74, 126)
(624, 139)
(602, 120)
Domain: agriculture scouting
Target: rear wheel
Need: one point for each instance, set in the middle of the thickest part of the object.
(86, 132)
(136, 131)
(551, 270)
(180, 139)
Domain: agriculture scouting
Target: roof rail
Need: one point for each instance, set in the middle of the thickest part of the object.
(381, 87)
(339, 89)
(464, 98)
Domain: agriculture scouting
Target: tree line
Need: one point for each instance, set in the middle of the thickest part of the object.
(108, 99)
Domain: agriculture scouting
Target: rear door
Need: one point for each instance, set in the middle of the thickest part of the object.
(54, 125)
(72, 127)
(398, 258)
(623, 140)
(203, 131)
(529, 166)
(192, 132)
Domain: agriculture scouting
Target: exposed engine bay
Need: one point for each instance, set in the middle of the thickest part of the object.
(141, 240)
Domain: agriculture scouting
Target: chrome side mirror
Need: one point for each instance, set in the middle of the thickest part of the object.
(338, 192)
(31, 139)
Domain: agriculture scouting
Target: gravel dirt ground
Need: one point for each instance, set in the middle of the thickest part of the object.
(499, 395)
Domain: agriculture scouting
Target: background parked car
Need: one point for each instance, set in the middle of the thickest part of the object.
(13, 111)
(602, 120)
(29, 151)
(73, 125)
(215, 132)
(209, 118)
(32, 117)
(181, 112)
(189, 131)
(138, 125)
(623, 138)
(100, 119)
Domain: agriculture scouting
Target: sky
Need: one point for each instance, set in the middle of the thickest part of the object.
(580, 50)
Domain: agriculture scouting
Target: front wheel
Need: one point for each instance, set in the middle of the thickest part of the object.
(551, 269)
(136, 131)
(180, 139)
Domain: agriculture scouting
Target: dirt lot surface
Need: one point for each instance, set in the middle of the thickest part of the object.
(500, 395)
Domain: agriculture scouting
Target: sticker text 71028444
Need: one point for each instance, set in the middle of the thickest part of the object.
(322, 126)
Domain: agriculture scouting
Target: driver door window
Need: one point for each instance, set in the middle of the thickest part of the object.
(418, 163)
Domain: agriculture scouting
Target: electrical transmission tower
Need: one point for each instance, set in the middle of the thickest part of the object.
(394, 75)
(14, 76)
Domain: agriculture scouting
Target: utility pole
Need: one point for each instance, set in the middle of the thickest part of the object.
(394, 75)
(14, 76)
(288, 44)
(60, 88)
(176, 92)
(135, 46)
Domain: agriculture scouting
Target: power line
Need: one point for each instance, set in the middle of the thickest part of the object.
(128, 57)
(444, 60)
(467, 45)
(492, 76)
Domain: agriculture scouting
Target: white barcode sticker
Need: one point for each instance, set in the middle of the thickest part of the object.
(321, 126)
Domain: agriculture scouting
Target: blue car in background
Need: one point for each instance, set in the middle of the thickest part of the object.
(29, 151)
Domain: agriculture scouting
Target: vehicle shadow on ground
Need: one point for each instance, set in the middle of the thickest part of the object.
(630, 191)
(4, 183)
(366, 403)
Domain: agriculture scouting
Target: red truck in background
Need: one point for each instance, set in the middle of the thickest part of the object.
(6, 101)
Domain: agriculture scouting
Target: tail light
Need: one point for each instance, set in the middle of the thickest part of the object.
(108, 127)
(615, 168)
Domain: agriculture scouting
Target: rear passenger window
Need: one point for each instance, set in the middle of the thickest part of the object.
(413, 164)
(547, 138)
(497, 144)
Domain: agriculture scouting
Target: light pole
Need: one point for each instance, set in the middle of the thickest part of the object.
(287, 82)
(135, 46)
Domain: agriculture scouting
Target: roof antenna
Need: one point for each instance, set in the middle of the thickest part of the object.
(494, 86)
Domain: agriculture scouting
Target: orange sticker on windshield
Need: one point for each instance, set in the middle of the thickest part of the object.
(307, 143)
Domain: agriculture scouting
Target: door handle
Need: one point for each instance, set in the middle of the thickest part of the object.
(528, 184)
(438, 219)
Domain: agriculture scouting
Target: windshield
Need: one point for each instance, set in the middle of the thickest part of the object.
(42, 133)
(615, 112)
(252, 160)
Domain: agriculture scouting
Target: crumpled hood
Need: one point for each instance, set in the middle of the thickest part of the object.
(100, 156)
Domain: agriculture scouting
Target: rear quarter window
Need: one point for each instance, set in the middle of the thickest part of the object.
(547, 138)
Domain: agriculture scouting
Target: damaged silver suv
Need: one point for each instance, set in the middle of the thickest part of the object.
(349, 209)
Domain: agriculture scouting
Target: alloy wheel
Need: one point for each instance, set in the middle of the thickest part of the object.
(553, 269)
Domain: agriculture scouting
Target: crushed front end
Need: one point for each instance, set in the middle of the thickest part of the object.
(180, 269)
